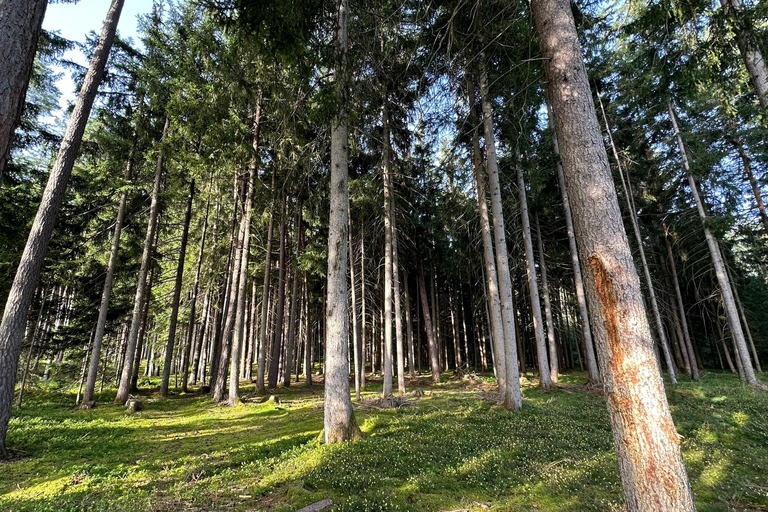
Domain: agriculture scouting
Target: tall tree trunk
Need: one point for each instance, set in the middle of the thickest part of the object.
(502, 259)
(400, 353)
(632, 212)
(188, 348)
(101, 323)
(21, 24)
(747, 163)
(409, 327)
(687, 344)
(295, 290)
(547, 363)
(172, 323)
(339, 422)
(277, 333)
(146, 262)
(434, 357)
(749, 48)
(731, 312)
(648, 448)
(355, 324)
(363, 311)
(387, 175)
(553, 362)
(581, 298)
(261, 358)
(492, 283)
(245, 250)
(23, 287)
(744, 320)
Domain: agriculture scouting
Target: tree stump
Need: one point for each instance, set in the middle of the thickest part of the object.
(134, 405)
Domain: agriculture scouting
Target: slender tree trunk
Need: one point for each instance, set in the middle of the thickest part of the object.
(277, 334)
(101, 323)
(434, 358)
(648, 448)
(146, 262)
(387, 174)
(547, 367)
(199, 339)
(164, 383)
(492, 283)
(744, 320)
(400, 353)
(409, 327)
(729, 303)
(512, 378)
(23, 287)
(20, 27)
(355, 324)
(363, 311)
(238, 339)
(261, 363)
(295, 290)
(188, 348)
(339, 421)
(553, 362)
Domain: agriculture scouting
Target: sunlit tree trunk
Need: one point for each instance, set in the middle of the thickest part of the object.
(387, 321)
(261, 358)
(339, 422)
(355, 324)
(648, 448)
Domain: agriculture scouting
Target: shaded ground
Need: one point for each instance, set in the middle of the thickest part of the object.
(451, 449)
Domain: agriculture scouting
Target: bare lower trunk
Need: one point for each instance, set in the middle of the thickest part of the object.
(492, 283)
(277, 334)
(295, 290)
(339, 422)
(261, 358)
(409, 327)
(512, 396)
(553, 362)
(434, 358)
(387, 319)
(647, 445)
(165, 382)
(399, 353)
(355, 324)
(729, 302)
(545, 361)
(146, 262)
(20, 27)
(744, 320)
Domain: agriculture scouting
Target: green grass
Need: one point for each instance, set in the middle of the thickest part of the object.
(451, 451)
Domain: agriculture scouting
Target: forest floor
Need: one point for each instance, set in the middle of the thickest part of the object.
(452, 449)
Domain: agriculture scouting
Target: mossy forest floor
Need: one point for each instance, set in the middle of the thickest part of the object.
(449, 450)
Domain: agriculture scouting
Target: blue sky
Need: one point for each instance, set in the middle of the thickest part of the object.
(75, 21)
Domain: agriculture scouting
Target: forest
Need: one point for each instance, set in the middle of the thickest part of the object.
(377, 255)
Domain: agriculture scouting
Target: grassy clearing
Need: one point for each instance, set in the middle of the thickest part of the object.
(450, 450)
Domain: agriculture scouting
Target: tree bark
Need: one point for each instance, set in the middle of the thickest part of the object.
(295, 290)
(648, 448)
(434, 358)
(20, 27)
(339, 422)
(261, 359)
(146, 262)
(547, 363)
(492, 283)
(277, 333)
(355, 324)
(551, 343)
(731, 312)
